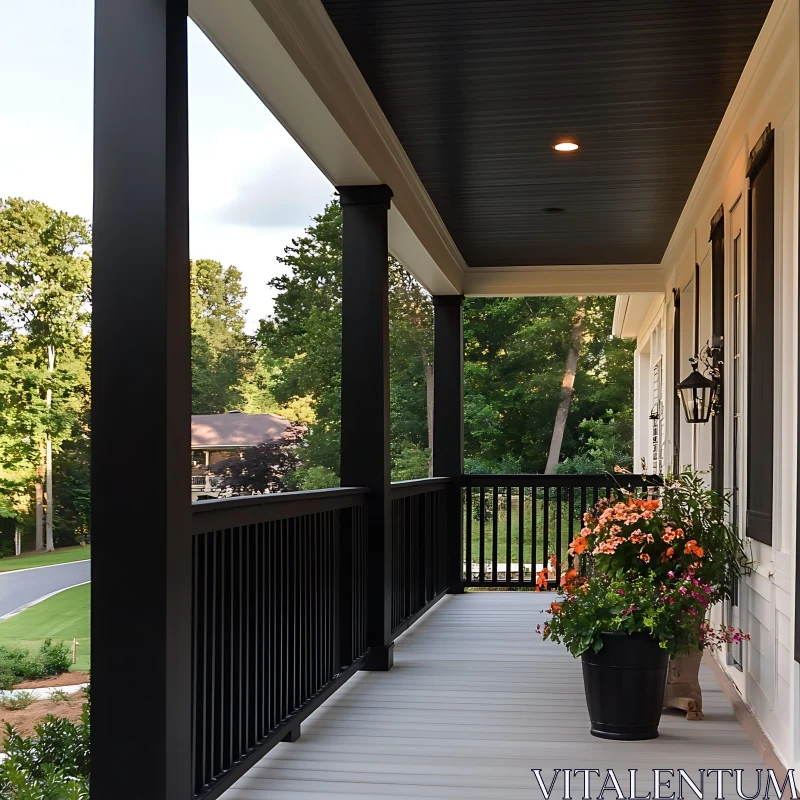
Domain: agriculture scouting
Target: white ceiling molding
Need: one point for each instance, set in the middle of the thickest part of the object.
(292, 57)
(564, 280)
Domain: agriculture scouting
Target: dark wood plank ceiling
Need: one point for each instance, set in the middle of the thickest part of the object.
(478, 91)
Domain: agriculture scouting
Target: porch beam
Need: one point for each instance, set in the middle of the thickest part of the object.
(365, 455)
(141, 402)
(448, 420)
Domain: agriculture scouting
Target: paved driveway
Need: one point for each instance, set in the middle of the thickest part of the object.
(22, 586)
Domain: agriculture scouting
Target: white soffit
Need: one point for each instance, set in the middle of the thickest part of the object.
(292, 57)
(631, 313)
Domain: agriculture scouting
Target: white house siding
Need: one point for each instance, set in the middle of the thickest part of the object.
(767, 94)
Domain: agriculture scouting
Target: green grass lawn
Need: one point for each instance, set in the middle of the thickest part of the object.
(61, 556)
(63, 617)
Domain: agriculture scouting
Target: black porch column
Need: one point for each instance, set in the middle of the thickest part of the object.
(365, 392)
(141, 404)
(448, 421)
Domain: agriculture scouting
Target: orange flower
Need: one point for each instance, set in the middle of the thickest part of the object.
(541, 579)
(568, 578)
(692, 548)
(644, 557)
(555, 608)
(578, 545)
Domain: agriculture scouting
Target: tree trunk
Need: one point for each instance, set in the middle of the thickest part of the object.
(49, 491)
(427, 365)
(51, 364)
(567, 388)
(39, 485)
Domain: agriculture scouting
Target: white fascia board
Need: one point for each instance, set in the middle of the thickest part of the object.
(564, 280)
(293, 59)
(633, 312)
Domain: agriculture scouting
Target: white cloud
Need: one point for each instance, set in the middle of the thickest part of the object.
(251, 186)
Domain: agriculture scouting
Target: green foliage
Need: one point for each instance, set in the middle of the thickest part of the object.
(222, 354)
(18, 664)
(409, 462)
(636, 604)
(60, 696)
(515, 353)
(54, 659)
(17, 701)
(315, 478)
(53, 764)
(606, 444)
(303, 339)
(44, 307)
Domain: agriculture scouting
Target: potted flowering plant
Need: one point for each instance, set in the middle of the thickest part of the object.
(625, 628)
(684, 532)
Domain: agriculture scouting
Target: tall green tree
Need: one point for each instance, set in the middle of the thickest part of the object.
(222, 353)
(45, 301)
(515, 355)
(303, 335)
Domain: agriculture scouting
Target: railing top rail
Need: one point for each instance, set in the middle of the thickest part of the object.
(231, 512)
(601, 480)
(420, 486)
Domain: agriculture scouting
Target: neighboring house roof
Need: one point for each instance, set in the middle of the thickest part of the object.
(236, 429)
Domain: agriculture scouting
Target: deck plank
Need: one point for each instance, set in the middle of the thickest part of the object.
(475, 701)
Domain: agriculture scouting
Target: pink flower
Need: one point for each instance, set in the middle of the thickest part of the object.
(683, 590)
(622, 591)
(671, 574)
(692, 612)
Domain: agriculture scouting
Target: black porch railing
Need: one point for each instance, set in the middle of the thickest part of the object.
(517, 528)
(279, 620)
(280, 591)
(419, 575)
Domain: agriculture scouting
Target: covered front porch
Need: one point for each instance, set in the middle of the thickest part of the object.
(328, 643)
(475, 701)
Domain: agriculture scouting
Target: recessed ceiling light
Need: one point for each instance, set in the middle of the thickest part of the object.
(565, 147)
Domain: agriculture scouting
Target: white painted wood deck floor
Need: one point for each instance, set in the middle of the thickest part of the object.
(475, 701)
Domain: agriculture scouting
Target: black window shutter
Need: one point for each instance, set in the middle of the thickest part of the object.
(717, 330)
(761, 339)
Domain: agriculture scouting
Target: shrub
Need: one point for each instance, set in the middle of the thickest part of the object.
(18, 664)
(16, 701)
(54, 659)
(53, 764)
(60, 696)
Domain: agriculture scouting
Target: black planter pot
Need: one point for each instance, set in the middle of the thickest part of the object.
(624, 686)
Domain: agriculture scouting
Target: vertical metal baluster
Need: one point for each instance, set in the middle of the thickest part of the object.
(534, 531)
(521, 536)
(571, 532)
(558, 534)
(546, 531)
(468, 535)
(508, 534)
(482, 535)
(495, 515)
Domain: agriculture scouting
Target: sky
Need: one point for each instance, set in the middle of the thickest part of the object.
(251, 186)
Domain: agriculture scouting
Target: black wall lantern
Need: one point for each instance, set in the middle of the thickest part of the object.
(697, 393)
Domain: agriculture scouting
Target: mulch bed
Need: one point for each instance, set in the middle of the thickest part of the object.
(65, 679)
(25, 719)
